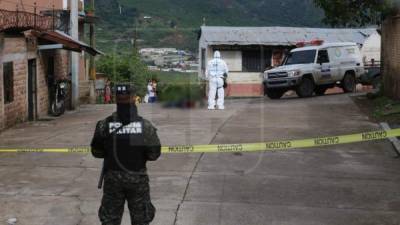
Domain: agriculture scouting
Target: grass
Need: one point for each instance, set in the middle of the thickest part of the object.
(176, 78)
(380, 109)
(182, 90)
(386, 108)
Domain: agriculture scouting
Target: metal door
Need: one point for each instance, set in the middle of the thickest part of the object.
(32, 90)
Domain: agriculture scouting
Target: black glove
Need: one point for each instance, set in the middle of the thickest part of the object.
(225, 80)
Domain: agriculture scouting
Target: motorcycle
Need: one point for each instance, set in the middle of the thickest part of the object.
(58, 103)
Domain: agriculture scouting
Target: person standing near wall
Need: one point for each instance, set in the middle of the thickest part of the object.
(151, 92)
(107, 92)
(215, 73)
(126, 141)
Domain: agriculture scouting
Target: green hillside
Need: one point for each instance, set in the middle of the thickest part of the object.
(175, 23)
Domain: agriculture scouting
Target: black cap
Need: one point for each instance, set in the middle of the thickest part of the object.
(124, 89)
(124, 93)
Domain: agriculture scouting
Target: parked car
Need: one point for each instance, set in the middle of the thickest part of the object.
(314, 69)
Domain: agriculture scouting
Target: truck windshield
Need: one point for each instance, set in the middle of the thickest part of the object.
(301, 57)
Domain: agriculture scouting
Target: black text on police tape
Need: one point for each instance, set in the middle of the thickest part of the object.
(327, 141)
(374, 135)
(279, 145)
(30, 150)
(78, 150)
(230, 148)
(180, 149)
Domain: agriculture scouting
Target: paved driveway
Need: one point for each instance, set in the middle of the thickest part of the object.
(349, 184)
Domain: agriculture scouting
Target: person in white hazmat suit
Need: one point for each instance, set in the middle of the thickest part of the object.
(216, 69)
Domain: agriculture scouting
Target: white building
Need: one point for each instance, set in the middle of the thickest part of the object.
(371, 49)
(249, 51)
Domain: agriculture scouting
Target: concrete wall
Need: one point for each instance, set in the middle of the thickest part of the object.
(240, 83)
(233, 59)
(391, 56)
(244, 84)
(18, 50)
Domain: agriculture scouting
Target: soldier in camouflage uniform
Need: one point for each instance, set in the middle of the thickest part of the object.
(126, 142)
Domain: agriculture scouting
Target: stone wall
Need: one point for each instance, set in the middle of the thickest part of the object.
(391, 56)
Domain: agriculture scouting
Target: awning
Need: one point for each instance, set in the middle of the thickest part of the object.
(66, 41)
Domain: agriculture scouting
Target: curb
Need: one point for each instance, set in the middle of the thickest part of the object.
(394, 140)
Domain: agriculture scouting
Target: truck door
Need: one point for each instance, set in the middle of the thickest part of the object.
(336, 56)
(324, 68)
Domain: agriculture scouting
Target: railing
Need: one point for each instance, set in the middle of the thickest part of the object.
(10, 20)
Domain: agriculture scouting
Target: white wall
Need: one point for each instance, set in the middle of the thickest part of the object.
(245, 78)
(233, 59)
(234, 62)
(65, 4)
(372, 48)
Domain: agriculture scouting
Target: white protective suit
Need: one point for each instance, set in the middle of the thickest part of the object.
(216, 69)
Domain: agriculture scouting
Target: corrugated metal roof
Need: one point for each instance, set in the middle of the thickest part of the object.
(284, 36)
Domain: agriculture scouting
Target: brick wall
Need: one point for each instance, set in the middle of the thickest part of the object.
(2, 119)
(391, 56)
(42, 90)
(61, 64)
(15, 49)
(62, 70)
(16, 111)
(27, 5)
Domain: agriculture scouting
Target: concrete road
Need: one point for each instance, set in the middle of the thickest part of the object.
(349, 184)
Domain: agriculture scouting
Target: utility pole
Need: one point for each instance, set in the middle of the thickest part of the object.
(92, 67)
(74, 26)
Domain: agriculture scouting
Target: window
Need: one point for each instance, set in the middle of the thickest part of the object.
(256, 60)
(8, 79)
(301, 57)
(323, 57)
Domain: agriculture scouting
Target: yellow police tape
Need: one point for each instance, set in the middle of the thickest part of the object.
(252, 147)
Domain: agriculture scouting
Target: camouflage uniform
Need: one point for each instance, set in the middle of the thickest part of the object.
(121, 185)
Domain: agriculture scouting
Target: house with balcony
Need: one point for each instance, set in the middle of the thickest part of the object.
(35, 48)
(249, 51)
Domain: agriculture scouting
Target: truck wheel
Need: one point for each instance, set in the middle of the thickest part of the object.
(306, 88)
(275, 93)
(349, 83)
(320, 90)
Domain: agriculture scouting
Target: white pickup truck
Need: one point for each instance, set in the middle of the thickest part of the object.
(314, 69)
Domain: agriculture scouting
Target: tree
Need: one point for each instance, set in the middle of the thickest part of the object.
(126, 68)
(351, 13)
(348, 13)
